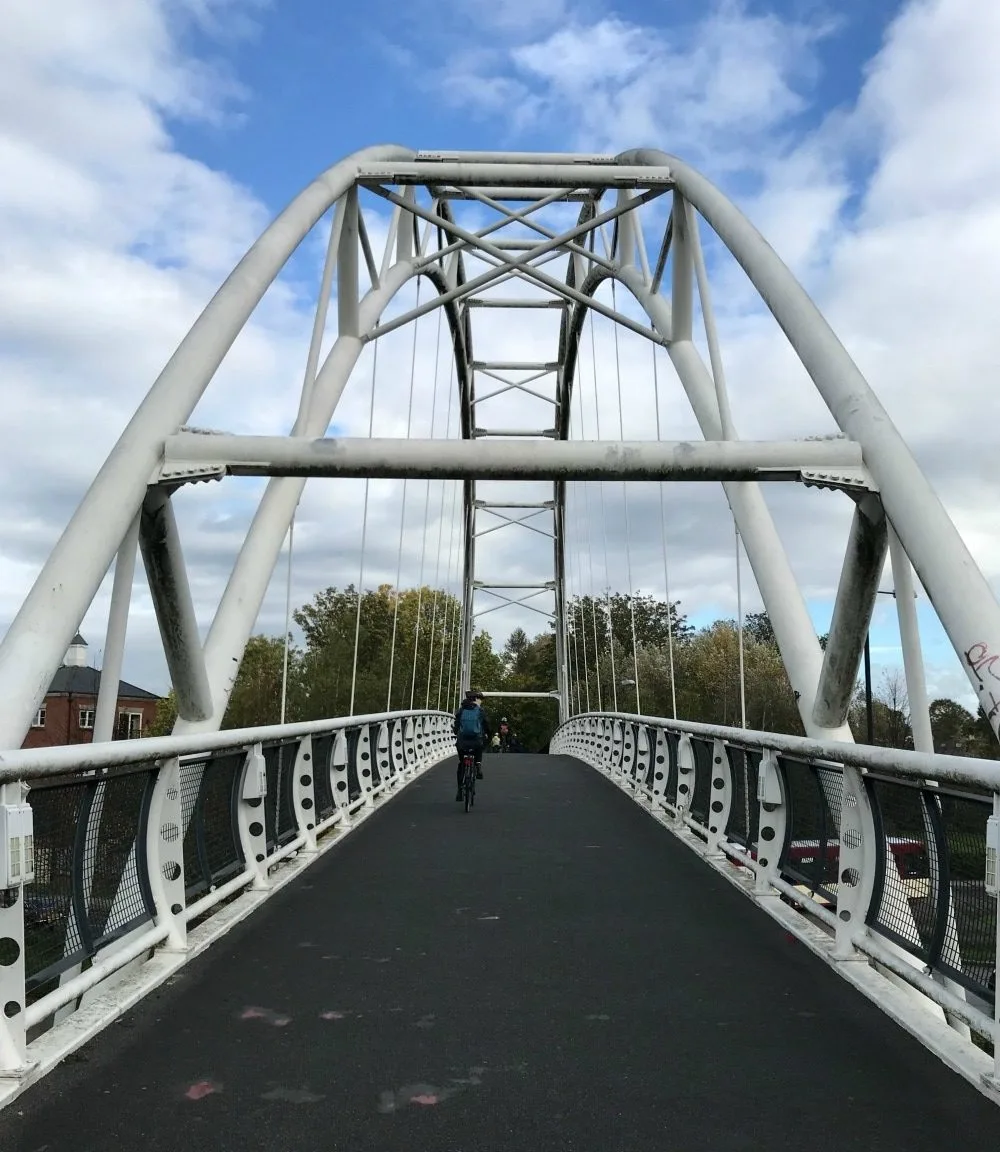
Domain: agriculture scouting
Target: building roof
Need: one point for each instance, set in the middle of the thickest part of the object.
(87, 682)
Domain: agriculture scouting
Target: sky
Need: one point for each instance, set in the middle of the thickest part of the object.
(145, 144)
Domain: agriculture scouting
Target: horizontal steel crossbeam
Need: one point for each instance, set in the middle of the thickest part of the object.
(495, 460)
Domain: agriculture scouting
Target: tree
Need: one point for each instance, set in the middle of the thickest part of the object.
(487, 667)
(951, 726)
(166, 716)
(256, 695)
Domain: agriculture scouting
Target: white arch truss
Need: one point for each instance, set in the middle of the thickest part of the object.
(508, 262)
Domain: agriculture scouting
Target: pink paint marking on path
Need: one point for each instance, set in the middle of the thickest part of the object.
(425, 1099)
(268, 1014)
(202, 1089)
(332, 1015)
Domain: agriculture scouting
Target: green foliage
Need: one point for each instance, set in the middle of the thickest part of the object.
(165, 718)
(415, 633)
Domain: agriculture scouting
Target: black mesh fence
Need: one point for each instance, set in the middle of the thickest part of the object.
(212, 850)
(744, 815)
(645, 761)
(702, 779)
(905, 897)
(814, 797)
(930, 895)
(279, 814)
(353, 776)
(52, 940)
(90, 882)
(968, 941)
(322, 753)
(670, 795)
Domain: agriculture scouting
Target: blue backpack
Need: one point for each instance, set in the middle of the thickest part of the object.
(470, 723)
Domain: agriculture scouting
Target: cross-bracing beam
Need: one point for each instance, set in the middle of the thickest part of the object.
(512, 460)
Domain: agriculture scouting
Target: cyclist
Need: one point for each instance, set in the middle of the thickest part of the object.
(504, 734)
(472, 730)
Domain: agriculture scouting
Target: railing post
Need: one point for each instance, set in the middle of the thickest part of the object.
(396, 750)
(363, 764)
(606, 743)
(250, 816)
(661, 767)
(641, 770)
(773, 822)
(857, 865)
(165, 854)
(383, 759)
(409, 747)
(617, 746)
(993, 885)
(685, 775)
(720, 797)
(14, 1062)
(626, 765)
(304, 793)
(339, 780)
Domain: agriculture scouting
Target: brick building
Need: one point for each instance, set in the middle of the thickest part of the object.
(66, 716)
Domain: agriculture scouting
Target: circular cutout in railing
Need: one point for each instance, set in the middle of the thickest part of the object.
(10, 951)
(11, 1009)
(171, 871)
(852, 838)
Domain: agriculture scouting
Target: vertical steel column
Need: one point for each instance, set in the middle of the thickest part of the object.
(114, 641)
(909, 635)
(559, 562)
(168, 585)
(468, 582)
(852, 612)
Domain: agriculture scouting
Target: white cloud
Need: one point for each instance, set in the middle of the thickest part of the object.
(112, 240)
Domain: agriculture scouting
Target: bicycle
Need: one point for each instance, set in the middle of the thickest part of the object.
(469, 779)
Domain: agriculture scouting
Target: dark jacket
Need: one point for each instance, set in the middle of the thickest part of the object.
(487, 729)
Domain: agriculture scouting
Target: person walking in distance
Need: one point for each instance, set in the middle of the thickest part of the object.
(472, 730)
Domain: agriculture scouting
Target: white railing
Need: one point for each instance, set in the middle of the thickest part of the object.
(136, 842)
(885, 850)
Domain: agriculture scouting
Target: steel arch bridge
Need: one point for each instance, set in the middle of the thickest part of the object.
(622, 234)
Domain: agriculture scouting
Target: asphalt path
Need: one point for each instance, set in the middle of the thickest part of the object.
(551, 971)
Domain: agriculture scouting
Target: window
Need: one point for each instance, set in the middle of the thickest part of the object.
(39, 720)
(86, 717)
(129, 725)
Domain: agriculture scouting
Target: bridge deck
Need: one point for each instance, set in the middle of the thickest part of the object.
(552, 971)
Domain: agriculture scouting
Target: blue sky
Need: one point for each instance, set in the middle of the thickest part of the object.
(145, 149)
(320, 80)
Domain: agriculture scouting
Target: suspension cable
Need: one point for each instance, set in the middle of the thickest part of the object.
(364, 536)
(628, 531)
(663, 540)
(579, 568)
(725, 415)
(455, 631)
(427, 505)
(449, 609)
(437, 565)
(288, 616)
(590, 558)
(604, 529)
(402, 515)
(739, 610)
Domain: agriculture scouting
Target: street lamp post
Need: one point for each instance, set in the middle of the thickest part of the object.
(868, 673)
(868, 689)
